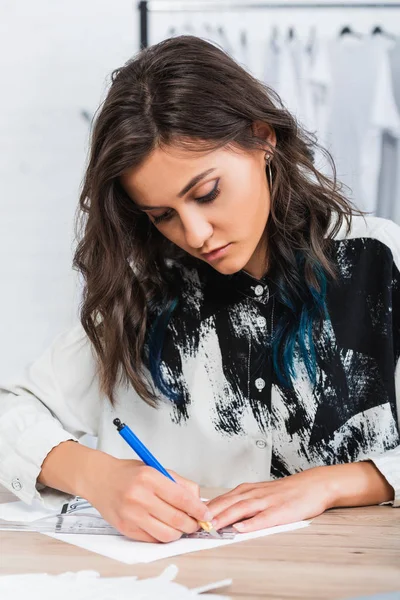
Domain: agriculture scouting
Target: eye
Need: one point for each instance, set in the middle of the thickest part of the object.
(164, 217)
(210, 196)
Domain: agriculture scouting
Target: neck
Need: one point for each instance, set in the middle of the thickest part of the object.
(258, 264)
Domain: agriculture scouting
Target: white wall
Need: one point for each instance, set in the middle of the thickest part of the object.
(55, 58)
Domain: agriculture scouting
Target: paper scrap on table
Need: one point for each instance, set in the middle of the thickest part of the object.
(128, 551)
(88, 585)
(383, 596)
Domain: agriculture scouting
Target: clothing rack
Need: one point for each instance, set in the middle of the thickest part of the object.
(146, 7)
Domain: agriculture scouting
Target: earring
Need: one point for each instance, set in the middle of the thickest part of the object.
(268, 158)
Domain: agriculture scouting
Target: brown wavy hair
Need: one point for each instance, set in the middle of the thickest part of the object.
(188, 91)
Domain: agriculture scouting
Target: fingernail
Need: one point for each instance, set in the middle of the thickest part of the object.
(208, 516)
(214, 523)
(239, 526)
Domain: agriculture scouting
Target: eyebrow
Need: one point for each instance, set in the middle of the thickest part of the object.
(194, 181)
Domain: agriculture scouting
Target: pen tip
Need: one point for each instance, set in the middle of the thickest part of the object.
(215, 534)
(117, 422)
(207, 526)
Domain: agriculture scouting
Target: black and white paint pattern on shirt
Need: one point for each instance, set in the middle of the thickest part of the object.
(222, 329)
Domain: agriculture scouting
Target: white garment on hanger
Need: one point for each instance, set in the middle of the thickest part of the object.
(292, 81)
(385, 117)
(361, 108)
(302, 61)
(272, 58)
(241, 49)
(389, 182)
(395, 72)
(320, 82)
(320, 91)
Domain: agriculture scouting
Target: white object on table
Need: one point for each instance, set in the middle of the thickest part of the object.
(88, 585)
(129, 551)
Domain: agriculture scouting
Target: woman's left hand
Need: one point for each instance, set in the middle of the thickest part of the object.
(253, 506)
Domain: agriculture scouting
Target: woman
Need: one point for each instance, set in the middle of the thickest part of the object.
(237, 314)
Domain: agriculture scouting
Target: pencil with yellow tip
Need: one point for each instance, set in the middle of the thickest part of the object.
(146, 456)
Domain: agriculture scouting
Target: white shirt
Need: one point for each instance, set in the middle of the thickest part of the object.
(58, 399)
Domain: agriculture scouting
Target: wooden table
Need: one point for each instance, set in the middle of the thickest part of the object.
(343, 553)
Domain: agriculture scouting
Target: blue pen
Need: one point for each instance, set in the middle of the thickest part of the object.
(146, 456)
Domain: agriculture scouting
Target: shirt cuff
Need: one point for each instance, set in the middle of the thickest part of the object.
(21, 468)
(389, 465)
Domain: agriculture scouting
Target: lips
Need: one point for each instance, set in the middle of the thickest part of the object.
(216, 253)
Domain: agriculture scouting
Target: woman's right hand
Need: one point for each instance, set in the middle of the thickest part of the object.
(142, 503)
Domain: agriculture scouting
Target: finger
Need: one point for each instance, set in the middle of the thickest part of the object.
(181, 498)
(133, 531)
(193, 487)
(146, 523)
(223, 503)
(171, 516)
(243, 488)
(161, 531)
(138, 534)
(148, 503)
(268, 518)
(238, 511)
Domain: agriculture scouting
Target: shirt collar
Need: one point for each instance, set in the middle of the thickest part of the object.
(222, 286)
(258, 290)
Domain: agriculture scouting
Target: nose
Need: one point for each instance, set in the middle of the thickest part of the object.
(197, 230)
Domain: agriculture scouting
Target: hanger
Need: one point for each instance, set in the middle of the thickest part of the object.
(243, 38)
(274, 39)
(188, 28)
(311, 40)
(207, 27)
(347, 30)
(291, 34)
(379, 31)
(224, 39)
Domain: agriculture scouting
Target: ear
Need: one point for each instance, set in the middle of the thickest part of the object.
(264, 132)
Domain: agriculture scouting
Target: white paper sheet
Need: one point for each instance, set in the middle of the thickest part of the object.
(126, 550)
(131, 552)
(88, 585)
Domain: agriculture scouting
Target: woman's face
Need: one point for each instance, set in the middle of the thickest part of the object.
(213, 205)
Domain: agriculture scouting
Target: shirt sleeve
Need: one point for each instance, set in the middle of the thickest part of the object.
(388, 463)
(57, 399)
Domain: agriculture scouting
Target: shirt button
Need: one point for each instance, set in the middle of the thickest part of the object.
(16, 484)
(261, 444)
(258, 290)
(260, 384)
(261, 321)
